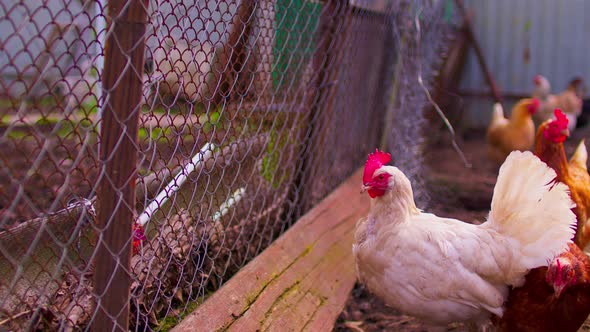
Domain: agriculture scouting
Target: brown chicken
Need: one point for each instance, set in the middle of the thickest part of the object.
(556, 298)
(517, 133)
(549, 147)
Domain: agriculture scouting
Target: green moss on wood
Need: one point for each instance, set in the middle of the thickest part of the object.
(251, 299)
(284, 294)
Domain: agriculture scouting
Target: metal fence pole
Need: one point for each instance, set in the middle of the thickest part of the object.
(124, 60)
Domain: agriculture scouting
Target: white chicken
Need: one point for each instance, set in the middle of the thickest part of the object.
(542, 91)
(443, 270)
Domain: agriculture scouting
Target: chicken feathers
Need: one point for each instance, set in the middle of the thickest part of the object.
(515, 134)
(443, 270)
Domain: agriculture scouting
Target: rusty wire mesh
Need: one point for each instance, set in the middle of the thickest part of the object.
(422, 33)
(250, 114)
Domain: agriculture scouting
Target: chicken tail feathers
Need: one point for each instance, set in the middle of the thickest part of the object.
(531, 207)
(580, 156)
(498, 112)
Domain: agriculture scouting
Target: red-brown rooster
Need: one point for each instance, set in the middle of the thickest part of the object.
(549, 148)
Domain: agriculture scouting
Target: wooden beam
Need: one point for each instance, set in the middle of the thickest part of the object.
(232, 56)
(124, 60)
(300, 282)
(478, 52)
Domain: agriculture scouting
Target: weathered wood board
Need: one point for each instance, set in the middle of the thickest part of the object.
(300, 282)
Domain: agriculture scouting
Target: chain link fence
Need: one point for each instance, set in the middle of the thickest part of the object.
(149, 149)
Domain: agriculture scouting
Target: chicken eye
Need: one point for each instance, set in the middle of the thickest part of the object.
(381, 177)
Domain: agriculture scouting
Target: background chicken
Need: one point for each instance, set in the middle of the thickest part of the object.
(517, 133)
(443, 270)
(584, 118)
(547, 101)
(549, 148)
(569, 101)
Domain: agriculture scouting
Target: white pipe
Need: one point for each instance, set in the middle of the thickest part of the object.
(175, 184)
(231, 201)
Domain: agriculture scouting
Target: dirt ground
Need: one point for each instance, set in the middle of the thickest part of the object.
(457, 192)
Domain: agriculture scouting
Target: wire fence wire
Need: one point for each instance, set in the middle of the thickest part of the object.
(422, 33)
(187, 135)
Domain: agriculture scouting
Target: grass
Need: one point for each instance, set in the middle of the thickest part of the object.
(17, 134)
(157, 134)
(51, 125)
(209, 121)
(90, 107)
(10, 103)
(6, 103)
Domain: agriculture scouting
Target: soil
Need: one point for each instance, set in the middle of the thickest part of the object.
(455, 191)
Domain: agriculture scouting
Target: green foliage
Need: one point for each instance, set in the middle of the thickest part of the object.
(527, 25)
(5, 120)
(297, 22)
(156, 134)
(89, 107)
(45, 121)
(209, 121)
(6, 103)
(449, 11)
(17, 134)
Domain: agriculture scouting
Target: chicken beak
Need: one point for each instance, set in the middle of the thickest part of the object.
(565, 132)
(365, 187)
(558, 290)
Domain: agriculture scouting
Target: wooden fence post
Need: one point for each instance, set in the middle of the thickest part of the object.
(124, 59)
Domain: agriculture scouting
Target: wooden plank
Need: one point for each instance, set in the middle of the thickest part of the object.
(300, 282)
(124, 59)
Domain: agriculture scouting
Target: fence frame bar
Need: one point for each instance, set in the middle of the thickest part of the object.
(124, 60)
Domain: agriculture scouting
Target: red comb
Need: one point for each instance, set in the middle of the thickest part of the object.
(374, 162)
(555, 129)
(533, 106)
(561, 119)
(138, 237)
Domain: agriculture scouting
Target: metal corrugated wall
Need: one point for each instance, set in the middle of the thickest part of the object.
(525, 37)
